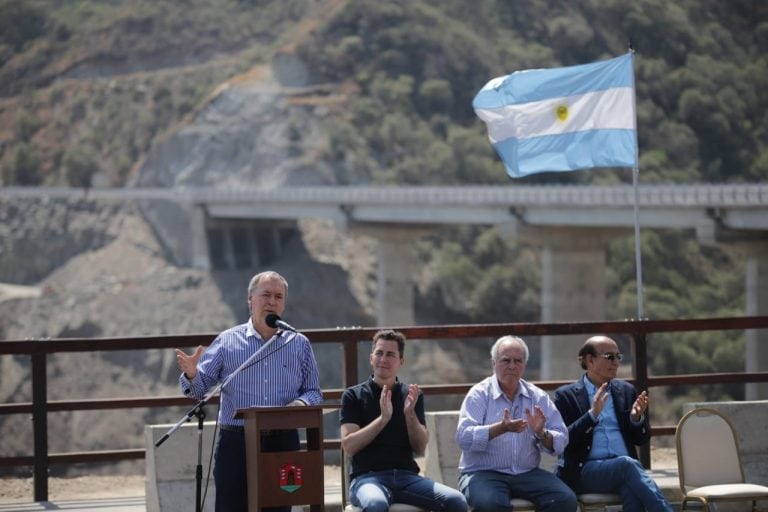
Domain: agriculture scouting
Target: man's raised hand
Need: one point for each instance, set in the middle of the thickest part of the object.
(513, 425)
(601, 396)
(188, 363)
(411, 399)
(639, 407)
(385, 403)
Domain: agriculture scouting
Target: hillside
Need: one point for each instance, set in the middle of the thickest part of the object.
(120, 284)
(87, 89)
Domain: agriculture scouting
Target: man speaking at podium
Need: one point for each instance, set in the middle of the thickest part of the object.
(285, 374)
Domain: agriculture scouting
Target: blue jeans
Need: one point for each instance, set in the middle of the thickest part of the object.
(375, 491)
(627, 477)
(490, 491)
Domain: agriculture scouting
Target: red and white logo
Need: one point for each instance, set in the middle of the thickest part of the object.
(291, 477)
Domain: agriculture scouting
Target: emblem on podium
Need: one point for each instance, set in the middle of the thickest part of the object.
(291, 477)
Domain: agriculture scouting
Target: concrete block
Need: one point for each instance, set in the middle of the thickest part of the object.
(442, 455)
(170, 468)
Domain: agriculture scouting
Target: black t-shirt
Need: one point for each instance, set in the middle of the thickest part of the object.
(391, 449)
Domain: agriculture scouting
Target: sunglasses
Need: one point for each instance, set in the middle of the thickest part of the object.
(612, 357)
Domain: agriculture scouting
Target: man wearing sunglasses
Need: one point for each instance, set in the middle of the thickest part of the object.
(606, 420)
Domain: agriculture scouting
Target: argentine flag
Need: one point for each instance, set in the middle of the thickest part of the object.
(562, 119)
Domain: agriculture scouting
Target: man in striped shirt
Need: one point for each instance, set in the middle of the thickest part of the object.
(504, 424)
(283, 374)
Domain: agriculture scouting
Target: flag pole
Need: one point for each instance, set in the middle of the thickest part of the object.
(638, 261)
(635, 179)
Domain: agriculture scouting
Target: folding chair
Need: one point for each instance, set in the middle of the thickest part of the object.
(708, 461)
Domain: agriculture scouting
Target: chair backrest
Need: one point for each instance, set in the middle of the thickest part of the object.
(707, 450)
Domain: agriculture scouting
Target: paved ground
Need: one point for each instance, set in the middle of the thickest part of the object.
(129, 504)
(135, 504)
(109, 493)
(126, 493)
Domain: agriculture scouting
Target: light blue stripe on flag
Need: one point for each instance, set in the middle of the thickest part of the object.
(562, 119)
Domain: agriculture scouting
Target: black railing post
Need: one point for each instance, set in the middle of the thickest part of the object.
(641, 384)
(349, 348)
(40, 425)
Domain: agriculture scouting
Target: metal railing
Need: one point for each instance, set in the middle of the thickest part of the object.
(40, 407)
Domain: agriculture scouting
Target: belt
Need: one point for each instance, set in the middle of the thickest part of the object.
(240, 430)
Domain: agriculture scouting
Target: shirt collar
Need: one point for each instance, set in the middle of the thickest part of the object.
(590, 387)
(522, 388)
(250, 331)
(376, 387)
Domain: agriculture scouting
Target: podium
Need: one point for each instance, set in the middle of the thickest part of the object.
(278, 479)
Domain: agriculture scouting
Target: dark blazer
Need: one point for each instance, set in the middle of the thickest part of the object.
(573, 403)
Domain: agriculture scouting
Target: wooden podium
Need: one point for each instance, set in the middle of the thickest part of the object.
(278, 479)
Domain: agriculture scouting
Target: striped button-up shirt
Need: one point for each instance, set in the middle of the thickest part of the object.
(284, 371)
(511, 452)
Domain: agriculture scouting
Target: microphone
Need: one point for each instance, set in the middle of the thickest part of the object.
(275, 322)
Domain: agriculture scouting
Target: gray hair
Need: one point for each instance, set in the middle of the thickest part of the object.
(503, 339)
(268, 274)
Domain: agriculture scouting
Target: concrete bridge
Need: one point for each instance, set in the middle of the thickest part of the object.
(208, 227)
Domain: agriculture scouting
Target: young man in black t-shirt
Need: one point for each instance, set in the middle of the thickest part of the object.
(382, 426)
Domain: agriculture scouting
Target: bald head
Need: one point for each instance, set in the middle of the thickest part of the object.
(600, 357)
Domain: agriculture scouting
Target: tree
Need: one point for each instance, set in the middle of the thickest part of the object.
(80, 164)
(24, 168)
(20, 23)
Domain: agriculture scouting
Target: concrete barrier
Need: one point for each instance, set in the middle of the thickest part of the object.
(750, 419)
(170, 468)
(441, 458)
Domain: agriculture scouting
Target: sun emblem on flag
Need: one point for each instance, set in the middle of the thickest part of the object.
(561, 111)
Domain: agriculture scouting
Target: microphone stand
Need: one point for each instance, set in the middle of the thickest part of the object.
(199, 469)
(198, 411)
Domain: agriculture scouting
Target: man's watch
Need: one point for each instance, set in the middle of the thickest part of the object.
(543, 437)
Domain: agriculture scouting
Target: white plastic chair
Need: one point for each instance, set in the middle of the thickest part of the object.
(708, 461)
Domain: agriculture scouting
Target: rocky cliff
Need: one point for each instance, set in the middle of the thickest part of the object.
(104, 274)
(96, 269)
